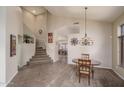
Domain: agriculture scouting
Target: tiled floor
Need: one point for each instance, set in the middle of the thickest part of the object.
(61, 74)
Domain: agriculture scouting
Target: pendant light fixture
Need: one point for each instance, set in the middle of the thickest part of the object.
(86, 41)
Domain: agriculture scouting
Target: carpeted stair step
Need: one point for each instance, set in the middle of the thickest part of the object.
(35, 59)
(40, 57)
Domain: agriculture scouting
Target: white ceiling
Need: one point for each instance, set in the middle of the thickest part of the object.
(98, 13)
(69, 30)
(35, 10)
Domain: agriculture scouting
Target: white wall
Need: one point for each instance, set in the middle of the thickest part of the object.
(35, 23)
(28, 21)
(28, 52)
(41, 23)
(28, 29)
(13, 26)
(54, 25)
(101, 50)
(2, 45)
(115, 65)
(100, 32)
(12, 19)
(10, 24)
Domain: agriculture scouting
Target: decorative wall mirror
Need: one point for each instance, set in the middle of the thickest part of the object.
(74, 41)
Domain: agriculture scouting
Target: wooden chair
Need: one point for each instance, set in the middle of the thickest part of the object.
(84, 68)
(85, 56)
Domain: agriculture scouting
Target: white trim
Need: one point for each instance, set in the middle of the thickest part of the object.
(119, 74)
(103, 67)
(2, 84)
(113, 71)
(11, 78)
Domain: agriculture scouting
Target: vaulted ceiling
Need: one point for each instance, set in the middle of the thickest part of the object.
(98, 13)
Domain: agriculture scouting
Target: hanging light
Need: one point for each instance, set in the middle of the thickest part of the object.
(86, 41)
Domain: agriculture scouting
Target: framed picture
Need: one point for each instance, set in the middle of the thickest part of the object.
(28, 39)
(50, 37)
(12, 45)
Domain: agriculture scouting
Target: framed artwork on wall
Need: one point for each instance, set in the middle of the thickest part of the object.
(28, 39)
(50, 37)
(12, 45)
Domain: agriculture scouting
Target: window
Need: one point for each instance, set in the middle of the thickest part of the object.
(121, 45)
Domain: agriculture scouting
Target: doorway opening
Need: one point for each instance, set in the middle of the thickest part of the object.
(62, 51)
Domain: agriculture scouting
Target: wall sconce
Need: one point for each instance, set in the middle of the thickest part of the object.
(40, 31)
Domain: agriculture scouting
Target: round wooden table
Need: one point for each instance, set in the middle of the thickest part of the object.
(93, 63)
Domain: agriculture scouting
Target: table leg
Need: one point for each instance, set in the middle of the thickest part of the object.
(76, 68)
(92, 72)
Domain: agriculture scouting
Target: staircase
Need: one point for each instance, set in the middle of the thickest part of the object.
(40, 57)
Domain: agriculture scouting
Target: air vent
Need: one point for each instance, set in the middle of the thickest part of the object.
(75, 23)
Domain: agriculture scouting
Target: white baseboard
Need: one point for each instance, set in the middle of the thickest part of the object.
(11, 78)
(113, 71)
(103, 67)
(119, 74)
(2, 84)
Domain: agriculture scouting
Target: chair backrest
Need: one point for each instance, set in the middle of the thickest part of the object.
(85, 56)
(84, 65)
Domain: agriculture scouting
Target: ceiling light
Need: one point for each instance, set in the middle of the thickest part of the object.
(34, 11)
(86, 41)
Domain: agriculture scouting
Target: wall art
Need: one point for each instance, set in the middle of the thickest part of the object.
(50, 37)
(12, 45)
